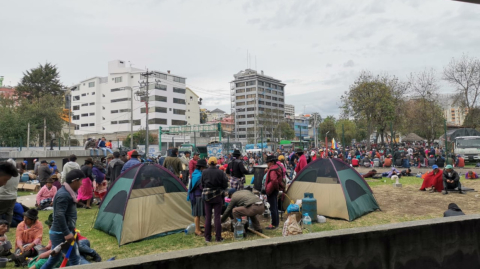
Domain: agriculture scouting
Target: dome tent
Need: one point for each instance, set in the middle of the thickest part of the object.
(340, 191)
(146, 200)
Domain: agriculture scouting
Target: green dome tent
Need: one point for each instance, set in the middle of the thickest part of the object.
(146, 200)
(340, 191)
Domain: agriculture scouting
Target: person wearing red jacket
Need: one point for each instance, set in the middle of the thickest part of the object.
(302, 161)
(274, 184)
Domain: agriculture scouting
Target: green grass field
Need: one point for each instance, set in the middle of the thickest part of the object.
(107, 245)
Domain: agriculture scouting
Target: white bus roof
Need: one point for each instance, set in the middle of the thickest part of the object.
(467, 137)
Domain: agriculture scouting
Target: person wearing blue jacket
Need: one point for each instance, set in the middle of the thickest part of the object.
(195, 195)
(65, 219)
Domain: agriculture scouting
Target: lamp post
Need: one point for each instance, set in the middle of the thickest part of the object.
(326, 140)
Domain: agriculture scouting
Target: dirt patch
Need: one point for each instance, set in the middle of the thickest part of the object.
(410, 201)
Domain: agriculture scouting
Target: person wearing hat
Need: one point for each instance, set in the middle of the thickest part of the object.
(28, 235)
(173, 163)
(214, 182)
(193, 163)
(451, 180)
(453, 210)
(432, 180)
(114, 168)
(44, 173)
(460, 161)
(185, 159)
(45, 195)
(52, 166)
(273, 185)
(236, 170)
(302, 161)
(132, 162)
(244, 203)
(195, 195)
(65, 218)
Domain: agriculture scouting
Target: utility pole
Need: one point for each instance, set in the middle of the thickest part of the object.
(131, 118)
(44, 134)
(69, 123)
(147, 75)
(28, 136)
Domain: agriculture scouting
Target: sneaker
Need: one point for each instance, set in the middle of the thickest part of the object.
(97, 258)
(271, 227)
(462, 192)
(219, 241)
(444, 192)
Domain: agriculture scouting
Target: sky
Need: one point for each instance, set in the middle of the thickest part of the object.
(317, 48)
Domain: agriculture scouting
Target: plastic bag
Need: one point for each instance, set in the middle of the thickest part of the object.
(293, 208)
(291, 226)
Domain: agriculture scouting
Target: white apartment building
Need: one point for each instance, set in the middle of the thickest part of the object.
(289, 111)
(103, 104)
(454, 114)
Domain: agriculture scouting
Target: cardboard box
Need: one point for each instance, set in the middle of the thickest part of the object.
(31, 187)
(20, 185)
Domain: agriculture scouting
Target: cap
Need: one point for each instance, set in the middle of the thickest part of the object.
(75, 174)
(212, 160)
(43, 161)
(449, 167)
(434, 166)
(52, 161)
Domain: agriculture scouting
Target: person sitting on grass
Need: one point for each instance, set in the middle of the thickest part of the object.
(388, 161)
(471, 175)
(370, 174)
(451, 180)
(453, 210)
(56, 181)
(432, 180)
(45, 195)
(5, 245)
(28, 235)
(85, 193)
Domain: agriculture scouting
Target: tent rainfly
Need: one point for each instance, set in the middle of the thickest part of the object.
(411, 137)
(146, 200)
(340, 191)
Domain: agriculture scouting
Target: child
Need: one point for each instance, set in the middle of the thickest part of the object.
(5, 245)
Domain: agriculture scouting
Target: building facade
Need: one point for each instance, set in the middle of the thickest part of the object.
(215, 115)
(105, 105)
(289, 111)
(258, 101)
(192, 115)
(454, 114)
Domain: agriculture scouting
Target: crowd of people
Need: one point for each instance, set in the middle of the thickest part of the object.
(216, 190)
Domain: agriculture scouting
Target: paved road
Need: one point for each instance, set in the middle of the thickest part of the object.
(27, 200)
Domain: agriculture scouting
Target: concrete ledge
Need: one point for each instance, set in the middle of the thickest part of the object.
(436, 243)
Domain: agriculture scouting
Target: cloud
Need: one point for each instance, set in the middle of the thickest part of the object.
(328, 65)
(350, 63)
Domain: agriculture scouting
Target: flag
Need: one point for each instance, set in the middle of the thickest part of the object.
(334, 144)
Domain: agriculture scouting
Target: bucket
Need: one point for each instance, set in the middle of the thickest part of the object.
(3, 262)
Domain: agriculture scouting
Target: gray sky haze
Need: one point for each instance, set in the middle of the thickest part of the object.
(317, 47)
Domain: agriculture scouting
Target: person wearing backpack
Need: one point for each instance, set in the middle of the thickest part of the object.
(273, 185)
(236, 170)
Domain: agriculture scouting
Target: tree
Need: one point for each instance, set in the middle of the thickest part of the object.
(349, 128)
(464, 75)
(41, 81)
(204, 116)
(328, 125)
(472, 119)
(424, 114)
(285, 131)
(139, 138)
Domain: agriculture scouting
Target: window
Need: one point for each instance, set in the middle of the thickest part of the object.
(157, 121)
(154, 109)
(114, 111)
(275, 104)
(250, 122)
(179, 111)
(92, 104)
(103, 95)
(178, 101)
(280, 99)
(240, 103)
(136, 122)
(280, 106)
(274, 98)
(251, 116)
(261, 96)
(84, 125)
(91, 84)
(180, 80)
(241, 117)
(77, 127)
(179, 90)
(274, 86)
(268, 91)
(103, 107)
(240, 84)
(124, 110)
(260, 83)
(261, 102)
(191, 98)
(114, 122)
(160, 75)
(76, 117)
(123, 121)
(76, 107)
(250, 102)
(115, 90)
(103, 118)
(93, 93)
(120, 100)
(251, 109)
(250, 89)
(86, 104)
(240, 90)
(268, 103)
(76, 98)
(160, 87)
(179, 122)
(267, 85)
(250, 83)
(91, 124)
(118, 79)
(268, 97)
(85, 115)
(280, 88)
(92, 114)
(84, 94)
(240, 97)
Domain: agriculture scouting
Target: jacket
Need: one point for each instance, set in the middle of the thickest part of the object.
(67, 168)
(431, 161)
(236, 169)
(440, 162)
(27, 236)
(214, 178)
(302, 162)
(173, 163)
(114, 169)
(240, 198)
(454, 176)
(274, 180)
(191, 167)
(453, 210)
(45, 193)
(132, 162)
(64, 213)
(44, 173)
(9, 190)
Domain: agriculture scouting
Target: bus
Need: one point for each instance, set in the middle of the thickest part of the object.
(468, 147)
